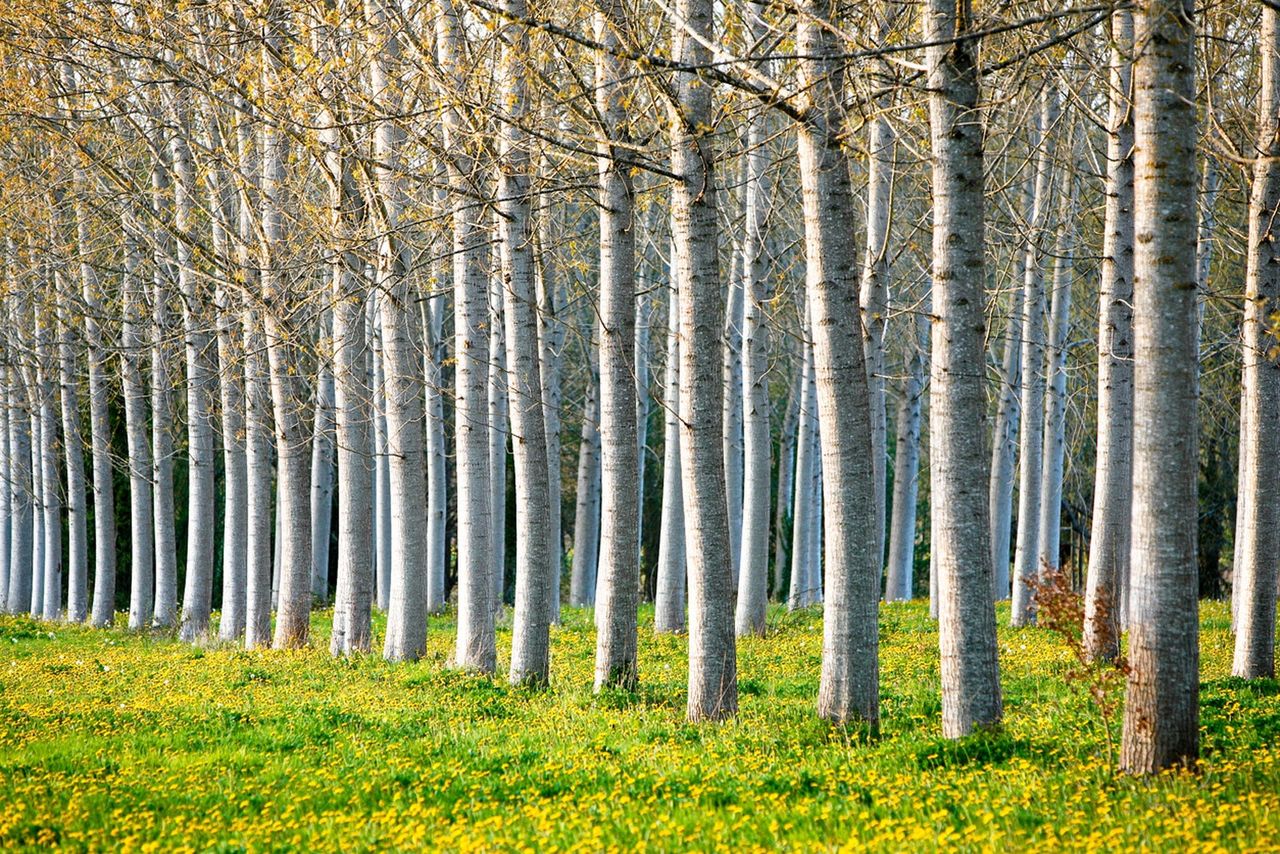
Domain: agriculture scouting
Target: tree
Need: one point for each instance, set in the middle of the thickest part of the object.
(966, 619)
(1161, 722)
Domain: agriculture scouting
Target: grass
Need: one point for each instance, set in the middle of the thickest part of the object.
(113, 740)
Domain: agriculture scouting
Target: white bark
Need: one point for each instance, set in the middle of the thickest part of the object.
(906, 470)
(803, 514)
(162, 357)
(1161, 722)
(1004, 445)
(1031, 435)
(499, 433)
(475, 646)
(619, 565)
(586, 520)
(669, 597)
(961, 551)
(1109, 539)
(713, 665)
(1256, 571)
(73, 453)
(322, 466)
(133, 349)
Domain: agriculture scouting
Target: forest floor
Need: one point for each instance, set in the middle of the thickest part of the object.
(113, 740)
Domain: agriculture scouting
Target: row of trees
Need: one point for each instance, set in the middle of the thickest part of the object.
(329, 267)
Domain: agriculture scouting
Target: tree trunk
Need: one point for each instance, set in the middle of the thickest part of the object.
(1031, 452)
(713, 665)
(1109, 539)
(283, 336)
(1004, 445)
(322, 465)
(475, 647)
(132, 351)
(1256, 575)
(165, 518)
(753, 554)
(803, 515)
(73, 452)
(1161, 723)
(906, 471)
(782, 517)
(499, 432)
(586, 520)
(619, 565)
(966, 617)
(669, 596)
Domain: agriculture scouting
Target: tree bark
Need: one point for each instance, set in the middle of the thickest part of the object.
(669, 596)
(1161, 723)
(1109, 538)
(966, 618)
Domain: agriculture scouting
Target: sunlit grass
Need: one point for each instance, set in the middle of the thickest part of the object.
(109, 739)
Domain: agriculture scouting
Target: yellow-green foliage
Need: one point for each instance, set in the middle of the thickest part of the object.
(112, 740)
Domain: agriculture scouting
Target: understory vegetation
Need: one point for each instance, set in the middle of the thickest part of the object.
(112, 739)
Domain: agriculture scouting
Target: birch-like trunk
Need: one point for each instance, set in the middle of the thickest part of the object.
(906, 470)
(731, 417)
(407, 604)
(535, 573)
(1004, 446)
(433, 357)
(133, 350)
(551, 335)
(322, 465)
(1031, 435)
(619, 565)
(586, 518)
(1161, 721)
(1256, 572)
(283, 337)
(957, 454)
(197, 595)
(381, 465)
(713, 661)
(1055, 403)
(475, 646)
(499, 430)
(782, 514)
(1113, 467)
(162, 357)
(73, 455)
(669, 595)
(50, 485)
(353, 409)
(800, 593)
(753, 553)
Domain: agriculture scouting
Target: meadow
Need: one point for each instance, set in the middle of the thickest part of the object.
(115, 740)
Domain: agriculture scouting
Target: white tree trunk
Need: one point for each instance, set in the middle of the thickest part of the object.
(619, 565)
(1055, 403)
(322, 465)
(753, 553)
(73, 452)
(133, 350)
(382, 464)
(782, 515)
(803, 514)
(906, 471)
(551, 334)
(1161, 722)
(1004, 445)
(1031, 435)
(1109, 538)
(669, 596)
(713, 661)
(499, 432)
(961, 551)
(1256, 575)
(434, 355)
(586, 520)
(475, 646)
(162, 357)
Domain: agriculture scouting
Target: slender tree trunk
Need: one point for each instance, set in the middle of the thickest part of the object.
(437, 474)
(906, 471)
(475, 647)
(1055, 404)
(1004, 445)
(293, 619)
(551, 334)
(499, 431)
(713, 661)
(258, 423)
(382, 464)
(535, 573)
(1109, 538)
(197, 596)
(800, 594)
(966, 618)
(1161, 724)
(353, 433)
(165, 517)
(1256, 578)
(753, 560)
(1031, 452)
(782, 514)
(50, 606)
(586, 521)
(619, 566)
(731, 418)
(669, 596)
(132, 351)
(36, 570)
(6, 474)
(73, 453)
(322, 466)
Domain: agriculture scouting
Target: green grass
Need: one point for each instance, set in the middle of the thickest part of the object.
(112, 740)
